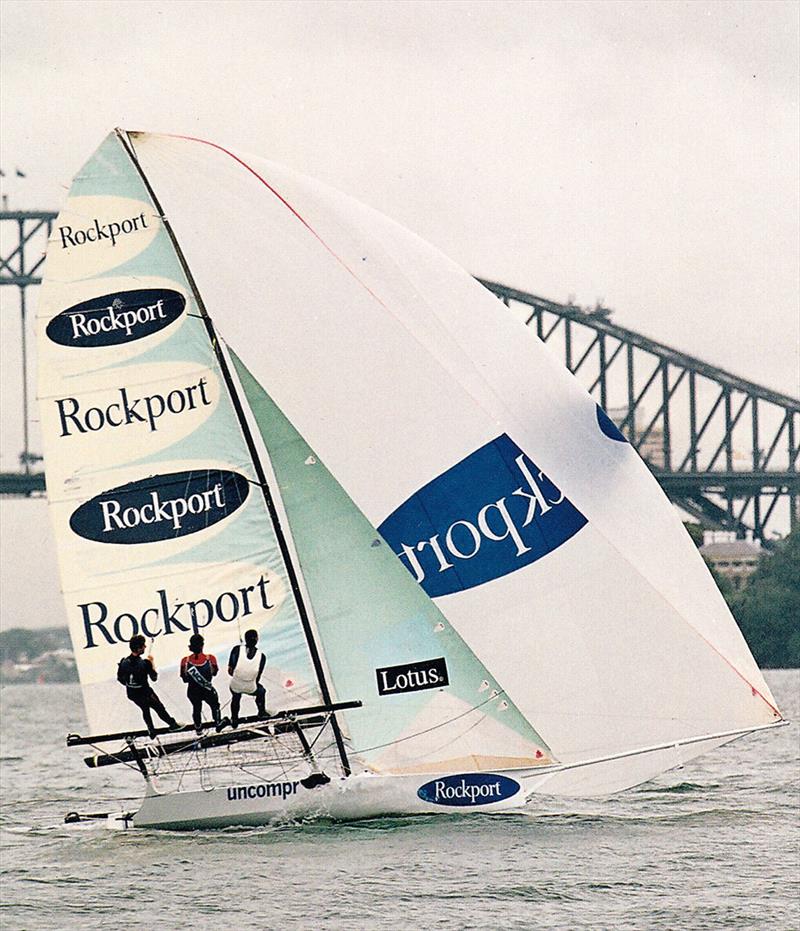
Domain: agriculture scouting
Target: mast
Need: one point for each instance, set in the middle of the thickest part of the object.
(241, 417)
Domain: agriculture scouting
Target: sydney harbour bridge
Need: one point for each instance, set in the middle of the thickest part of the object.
(724, 449)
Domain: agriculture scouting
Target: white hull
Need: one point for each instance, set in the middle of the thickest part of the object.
(357, 797)
(276, 795)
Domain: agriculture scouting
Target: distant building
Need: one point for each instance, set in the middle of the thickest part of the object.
(731, 557)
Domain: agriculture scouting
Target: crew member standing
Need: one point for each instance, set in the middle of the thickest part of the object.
(245, 667)
(135, 673)
(197, 671)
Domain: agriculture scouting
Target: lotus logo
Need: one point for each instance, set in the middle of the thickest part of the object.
(116, 318)
(490, 514)
(466, 790)
(162, 507)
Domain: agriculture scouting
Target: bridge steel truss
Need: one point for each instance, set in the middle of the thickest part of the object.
(695, 452)
(724, 449)
(25, 233)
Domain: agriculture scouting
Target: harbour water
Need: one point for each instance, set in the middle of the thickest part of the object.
(715, 845)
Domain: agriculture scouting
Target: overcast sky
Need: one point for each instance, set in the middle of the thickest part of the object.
(645, 154)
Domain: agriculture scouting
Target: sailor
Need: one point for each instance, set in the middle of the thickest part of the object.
(134, 672)
(245, 667)
(197, 671)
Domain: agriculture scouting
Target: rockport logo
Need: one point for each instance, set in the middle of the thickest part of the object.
(162, 507)
(116, 318)
(488, 515)
(468, 789)
(171, 617)
(280, 790)
(98, 231)
(147, 409)
(413, 677)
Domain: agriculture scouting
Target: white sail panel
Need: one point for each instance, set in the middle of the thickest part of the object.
(408, 379)
(160, 522)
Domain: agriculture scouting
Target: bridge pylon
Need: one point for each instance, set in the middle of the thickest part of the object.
(23, 239)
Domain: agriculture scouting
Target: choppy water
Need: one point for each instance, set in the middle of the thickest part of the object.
(715, 845)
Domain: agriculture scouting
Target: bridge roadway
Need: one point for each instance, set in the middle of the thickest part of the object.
(688, 419)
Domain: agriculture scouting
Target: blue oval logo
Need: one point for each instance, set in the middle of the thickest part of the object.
(466, 790)
(490, 514)
(117, 318)
(162, 507)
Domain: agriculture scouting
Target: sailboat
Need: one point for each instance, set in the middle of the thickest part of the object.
(268, 407)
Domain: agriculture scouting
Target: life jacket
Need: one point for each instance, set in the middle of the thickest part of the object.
(200, 674)
(245, 672)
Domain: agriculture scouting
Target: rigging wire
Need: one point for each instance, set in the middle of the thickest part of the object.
(433, 727)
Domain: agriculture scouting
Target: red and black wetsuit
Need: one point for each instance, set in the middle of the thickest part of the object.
(197, 671)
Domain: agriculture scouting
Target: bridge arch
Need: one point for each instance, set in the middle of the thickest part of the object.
(724, 449)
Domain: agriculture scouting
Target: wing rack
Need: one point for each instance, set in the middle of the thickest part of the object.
(290, 715)
(206, 742)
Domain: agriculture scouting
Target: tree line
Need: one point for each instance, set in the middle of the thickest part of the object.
(767, 609)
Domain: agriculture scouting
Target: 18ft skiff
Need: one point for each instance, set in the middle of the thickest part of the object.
(266, 406)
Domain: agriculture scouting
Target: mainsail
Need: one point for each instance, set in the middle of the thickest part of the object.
(508, 495)
(160, 522)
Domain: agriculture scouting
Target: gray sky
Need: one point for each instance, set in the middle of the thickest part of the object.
(642, 153)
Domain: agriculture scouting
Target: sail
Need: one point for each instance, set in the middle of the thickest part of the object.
(501, 487)
(428, 703)
(161, 524)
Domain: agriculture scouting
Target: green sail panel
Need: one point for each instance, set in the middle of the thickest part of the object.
(428, 701)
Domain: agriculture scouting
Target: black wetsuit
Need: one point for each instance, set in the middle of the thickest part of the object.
(134, 672)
